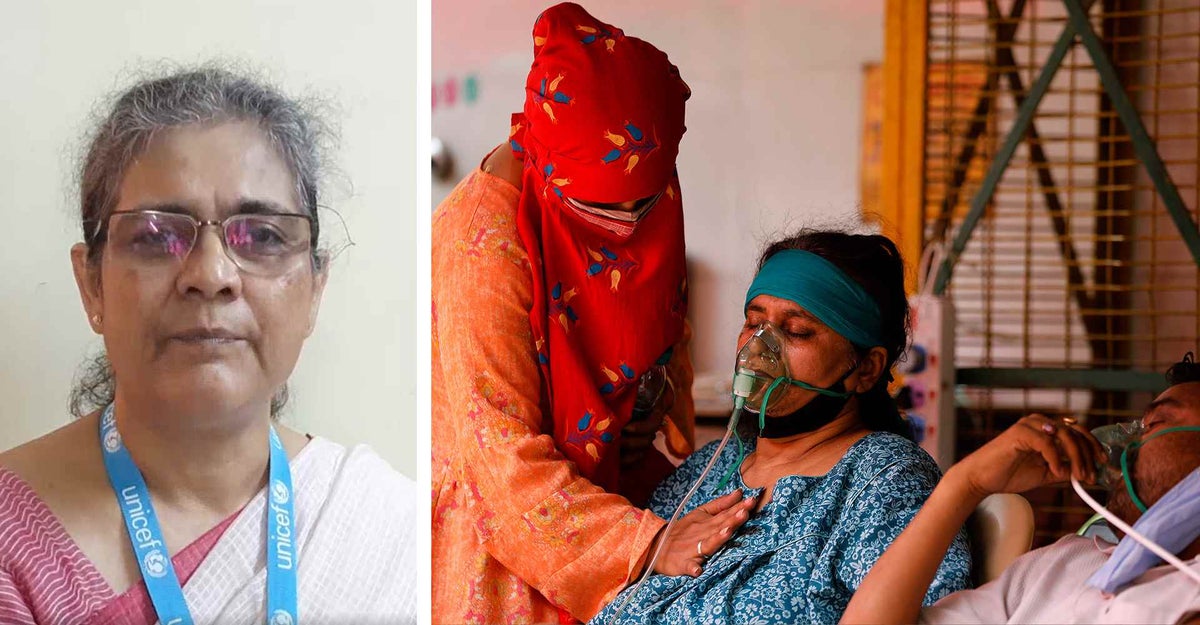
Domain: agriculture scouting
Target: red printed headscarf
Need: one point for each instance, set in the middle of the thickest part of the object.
(602, 123)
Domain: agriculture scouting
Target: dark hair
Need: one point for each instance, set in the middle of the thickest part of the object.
(874, 263)
(1184, 371)
(200, 95)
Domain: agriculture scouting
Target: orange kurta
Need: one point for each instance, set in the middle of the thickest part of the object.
(517, 532)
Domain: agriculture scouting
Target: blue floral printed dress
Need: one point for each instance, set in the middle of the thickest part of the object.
(801, 557)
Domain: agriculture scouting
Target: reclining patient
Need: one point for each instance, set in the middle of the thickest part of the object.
(1076, 580)
(828, 456)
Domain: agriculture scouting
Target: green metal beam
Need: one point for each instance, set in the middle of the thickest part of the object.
(1006, 30)
(1143, 145)
(1079, 25)
(1092, 379)
(996, 171)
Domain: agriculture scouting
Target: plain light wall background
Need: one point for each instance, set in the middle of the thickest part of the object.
(356, 379)
(774, 123)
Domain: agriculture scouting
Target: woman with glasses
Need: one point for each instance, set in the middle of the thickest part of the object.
(176, 496)
(559, 285)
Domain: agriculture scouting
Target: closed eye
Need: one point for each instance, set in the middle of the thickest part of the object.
(799, 330)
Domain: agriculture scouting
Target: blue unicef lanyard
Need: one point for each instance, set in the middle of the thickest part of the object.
(145, 533)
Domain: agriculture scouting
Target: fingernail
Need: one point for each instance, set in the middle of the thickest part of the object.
(1048, 428)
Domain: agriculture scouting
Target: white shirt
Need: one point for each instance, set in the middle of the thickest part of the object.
(1048, 585)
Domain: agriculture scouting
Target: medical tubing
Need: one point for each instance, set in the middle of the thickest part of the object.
(930, 258)
(766, 400)
(1125, 473)
(743, 386)
(1124, 527)
(737, 464)
(738, 402)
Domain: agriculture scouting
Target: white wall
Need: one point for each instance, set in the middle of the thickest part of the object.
(773, 123)
(356, 378)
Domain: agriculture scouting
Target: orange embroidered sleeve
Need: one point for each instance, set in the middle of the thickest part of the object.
(570, 540)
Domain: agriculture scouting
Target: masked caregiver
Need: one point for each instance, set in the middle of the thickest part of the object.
(558, 283)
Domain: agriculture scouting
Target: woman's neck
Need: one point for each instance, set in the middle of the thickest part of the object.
(212, 463)
(790, 450)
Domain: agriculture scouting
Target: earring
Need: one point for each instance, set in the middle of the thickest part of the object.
(96, 320)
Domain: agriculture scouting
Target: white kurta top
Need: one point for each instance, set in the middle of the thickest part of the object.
(1048, 585)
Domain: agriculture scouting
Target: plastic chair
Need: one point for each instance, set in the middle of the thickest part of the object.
(1001, 529)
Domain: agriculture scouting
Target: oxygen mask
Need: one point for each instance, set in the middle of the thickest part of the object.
(759, 363)
(1115, 439)
(650, 389)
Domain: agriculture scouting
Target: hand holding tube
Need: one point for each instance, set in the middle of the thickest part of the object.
(1033, 452)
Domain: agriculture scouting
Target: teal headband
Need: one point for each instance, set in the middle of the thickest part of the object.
(825, 291)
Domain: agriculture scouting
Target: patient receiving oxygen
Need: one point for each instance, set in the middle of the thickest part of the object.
(1153, 469)
(822, 446)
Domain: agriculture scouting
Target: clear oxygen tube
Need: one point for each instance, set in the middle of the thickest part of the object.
(1134, 534)
(759, 363)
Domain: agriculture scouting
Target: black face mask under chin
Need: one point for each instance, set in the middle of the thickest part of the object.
(818, 412)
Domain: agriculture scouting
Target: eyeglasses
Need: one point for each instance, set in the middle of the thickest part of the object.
(264, 244)
(639, 210)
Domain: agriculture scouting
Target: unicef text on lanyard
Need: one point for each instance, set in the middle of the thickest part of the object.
(146, 535)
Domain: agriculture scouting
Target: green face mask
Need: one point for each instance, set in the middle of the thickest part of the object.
(1133, 447)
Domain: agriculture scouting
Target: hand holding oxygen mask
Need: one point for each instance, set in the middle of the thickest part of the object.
(1039, 451)
(1035, 451)
(655, 397)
